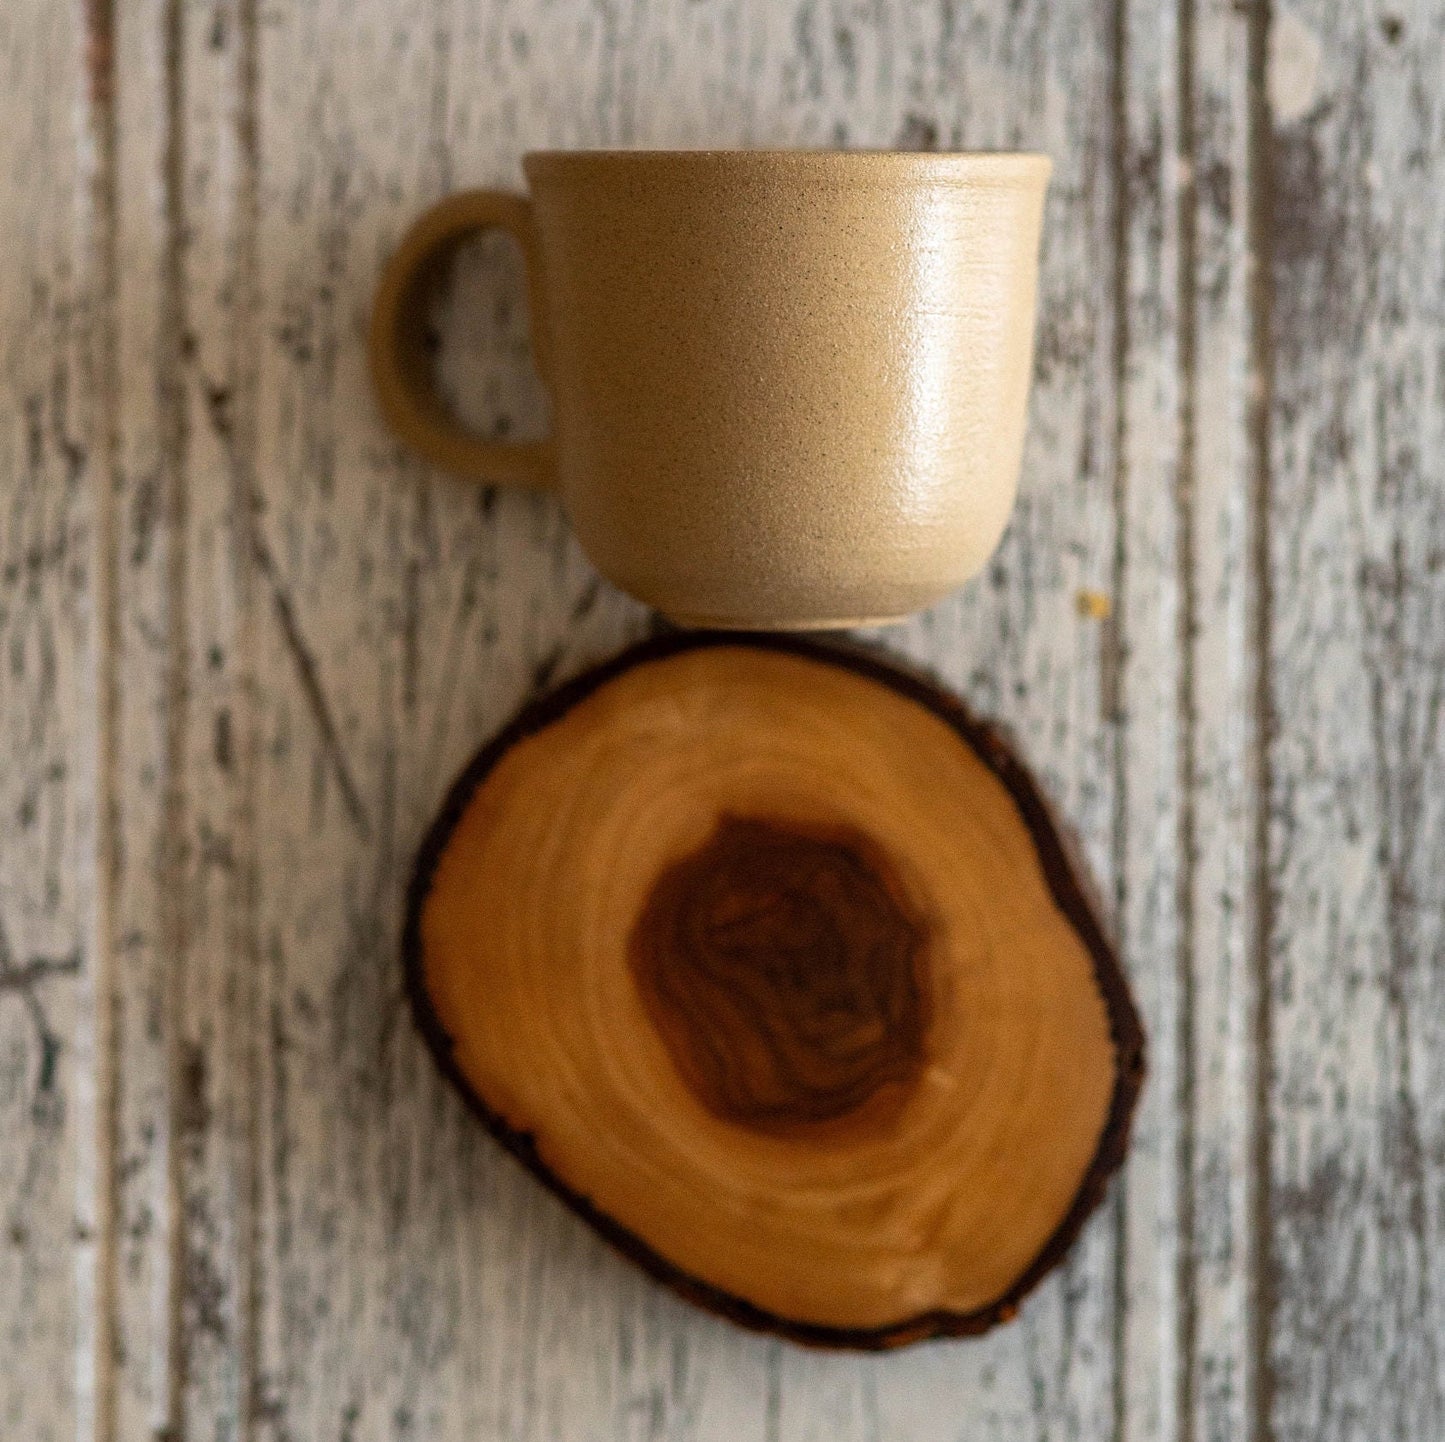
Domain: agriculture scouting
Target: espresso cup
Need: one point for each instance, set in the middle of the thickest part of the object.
(788, 387)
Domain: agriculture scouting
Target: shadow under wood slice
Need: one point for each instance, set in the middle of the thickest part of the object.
(769, 960)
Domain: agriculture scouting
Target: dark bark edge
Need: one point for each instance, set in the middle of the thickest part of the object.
(1065, 882)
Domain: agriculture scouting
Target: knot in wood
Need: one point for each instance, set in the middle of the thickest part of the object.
(781, 966)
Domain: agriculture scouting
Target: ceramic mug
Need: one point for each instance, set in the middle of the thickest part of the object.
(788, 387)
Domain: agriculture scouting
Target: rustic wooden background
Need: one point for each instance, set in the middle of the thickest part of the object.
(245, 642)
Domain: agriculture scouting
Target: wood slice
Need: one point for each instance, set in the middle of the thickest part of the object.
(769, 960)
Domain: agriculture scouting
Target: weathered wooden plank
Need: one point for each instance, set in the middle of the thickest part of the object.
(1185, 689)
(1147, 592)
(1218, 782)
(47, 652)
(411, 1279)
(1356, 641)
(218, 1019)
(148, 666)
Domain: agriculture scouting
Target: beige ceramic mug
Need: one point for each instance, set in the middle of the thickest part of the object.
(788, 387)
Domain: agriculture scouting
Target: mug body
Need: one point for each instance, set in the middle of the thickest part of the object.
(789, 387)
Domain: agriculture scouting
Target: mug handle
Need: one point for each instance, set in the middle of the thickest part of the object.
(401, 369)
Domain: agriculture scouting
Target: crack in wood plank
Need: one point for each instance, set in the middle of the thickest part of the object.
(308, 673)
(173, 920)
(1187, 771)
(25, 976)
(1112, 640)
(1260, 1382)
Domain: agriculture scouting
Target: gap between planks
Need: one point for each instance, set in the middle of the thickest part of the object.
(96, 1179)
(1259, 1267)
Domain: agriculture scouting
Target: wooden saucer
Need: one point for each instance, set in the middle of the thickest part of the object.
(768, 959)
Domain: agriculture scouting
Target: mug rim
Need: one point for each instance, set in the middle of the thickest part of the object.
(996, 166)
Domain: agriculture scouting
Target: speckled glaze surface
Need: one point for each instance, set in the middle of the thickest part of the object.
(789, 387)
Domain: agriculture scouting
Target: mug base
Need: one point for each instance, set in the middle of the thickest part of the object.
(728, 623)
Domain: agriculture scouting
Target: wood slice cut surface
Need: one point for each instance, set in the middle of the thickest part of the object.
(769, 960)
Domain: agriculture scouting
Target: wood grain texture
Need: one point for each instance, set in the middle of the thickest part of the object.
(1218, 786)
(245, 642)
(146, 709)
(1356, 523)
(1183, 757)
(821, 694)
(47, 821)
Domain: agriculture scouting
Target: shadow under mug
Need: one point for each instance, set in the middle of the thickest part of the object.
(789, 387)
